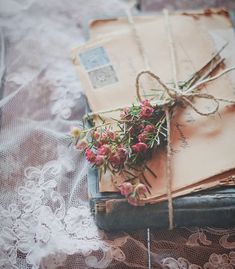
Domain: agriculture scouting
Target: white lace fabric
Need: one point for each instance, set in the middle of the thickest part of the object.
(45, 219)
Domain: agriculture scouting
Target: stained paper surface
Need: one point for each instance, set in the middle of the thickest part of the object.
(202, 147)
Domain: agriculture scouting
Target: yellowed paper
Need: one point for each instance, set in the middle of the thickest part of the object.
(202, 147)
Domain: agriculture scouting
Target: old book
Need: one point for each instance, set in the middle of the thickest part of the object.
(108, 66)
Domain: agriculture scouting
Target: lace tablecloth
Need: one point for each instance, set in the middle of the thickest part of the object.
(45, 220)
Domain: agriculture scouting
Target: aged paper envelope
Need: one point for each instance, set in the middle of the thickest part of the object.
(202, 147)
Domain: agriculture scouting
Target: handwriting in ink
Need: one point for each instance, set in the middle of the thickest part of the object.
(182, 138)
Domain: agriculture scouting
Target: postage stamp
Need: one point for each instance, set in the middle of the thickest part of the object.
(103, 76)
(94, 58)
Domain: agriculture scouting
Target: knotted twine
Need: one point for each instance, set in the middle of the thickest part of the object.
(175, 96)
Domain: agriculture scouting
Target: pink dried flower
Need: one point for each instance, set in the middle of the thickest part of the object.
(115, 160)
(111, 135)
(146, 103)
(141, 189)
(126, 188)
(104, 138)
(149, 128)
(142, 137)
(104, 150)
(125, 113)
(99, 160)
(140, 147)
(122, 153)
(96, 135)
(90, 155)
(146, 112)
(136, 129)
(82, 145)
(132, 199)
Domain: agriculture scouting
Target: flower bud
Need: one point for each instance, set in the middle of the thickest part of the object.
(146, 112)
(126, 188)
(132, 199)
(75, 132)
(104, 150)
(95, 135)
(142, 137)
(122, 153)
(104, 138)
(125, 113)
(111, 134)
(146, 103)
(115, 160)
(99, 160)
(82, 144)
(149, 128)
(140, 147)
(90, 155)
(141, 189)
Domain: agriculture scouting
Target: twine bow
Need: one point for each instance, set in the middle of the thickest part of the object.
(176, 96)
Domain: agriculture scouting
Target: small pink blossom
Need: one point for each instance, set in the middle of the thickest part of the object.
(149, 128)
(99, 160)
(104, 138)
(146, 112)
(90, 155)
(124, 113)
(122, 153)
(140, 147)
(82, 145)
(142, 137)
(126, 188)
(141, 189)
(96, 135)
(146, 103)
(132, 199)
(111, 135)
(115, 160)
(104, 150)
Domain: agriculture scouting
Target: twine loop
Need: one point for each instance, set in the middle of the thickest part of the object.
(178, 96)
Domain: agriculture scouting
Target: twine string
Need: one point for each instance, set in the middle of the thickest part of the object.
(137, 38)
(168, 172)
(176, 92)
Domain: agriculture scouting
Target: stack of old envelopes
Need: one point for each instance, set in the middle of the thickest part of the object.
(203, 147)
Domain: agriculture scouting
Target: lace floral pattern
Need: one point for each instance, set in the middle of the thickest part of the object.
(216, 261)
(64, 100)
(221, 261)
(199, 239)
(180, 263)
(36, 230)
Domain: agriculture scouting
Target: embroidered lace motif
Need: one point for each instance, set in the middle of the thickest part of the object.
(41, 224)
